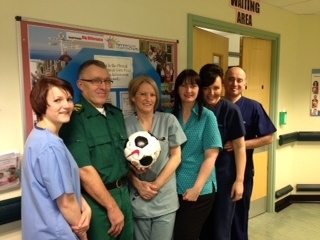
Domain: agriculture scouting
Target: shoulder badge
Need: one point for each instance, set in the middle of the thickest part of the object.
(77, 107)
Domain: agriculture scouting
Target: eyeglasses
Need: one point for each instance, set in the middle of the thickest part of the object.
(98, 82)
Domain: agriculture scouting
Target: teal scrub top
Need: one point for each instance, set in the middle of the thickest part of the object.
(202, 134)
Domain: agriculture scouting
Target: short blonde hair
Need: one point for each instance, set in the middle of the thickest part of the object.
(134, 85)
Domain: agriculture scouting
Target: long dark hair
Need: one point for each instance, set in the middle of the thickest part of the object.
(188, 76)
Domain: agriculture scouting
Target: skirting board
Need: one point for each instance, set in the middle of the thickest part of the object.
(296, 198)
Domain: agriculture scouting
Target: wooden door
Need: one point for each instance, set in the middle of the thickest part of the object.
(255, 58)
(209, 48)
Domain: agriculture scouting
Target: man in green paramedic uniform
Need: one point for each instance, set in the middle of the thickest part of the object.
(96, 136)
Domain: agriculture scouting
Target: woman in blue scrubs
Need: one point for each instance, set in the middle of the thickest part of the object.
(230, 165)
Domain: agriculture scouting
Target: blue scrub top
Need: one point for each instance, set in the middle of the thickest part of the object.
(48, 171)
(257, 124)
(231, 127)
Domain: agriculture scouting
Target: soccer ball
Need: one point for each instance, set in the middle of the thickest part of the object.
(142, 149)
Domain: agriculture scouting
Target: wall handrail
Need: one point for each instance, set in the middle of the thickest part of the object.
(299, 136)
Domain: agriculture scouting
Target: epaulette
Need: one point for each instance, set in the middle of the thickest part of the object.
(77, 107)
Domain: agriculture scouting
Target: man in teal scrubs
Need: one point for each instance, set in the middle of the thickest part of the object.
(96, 136)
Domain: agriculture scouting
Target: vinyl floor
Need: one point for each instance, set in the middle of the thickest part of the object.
(296, 222)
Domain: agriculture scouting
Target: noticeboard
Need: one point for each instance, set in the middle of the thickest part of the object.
(58, 50)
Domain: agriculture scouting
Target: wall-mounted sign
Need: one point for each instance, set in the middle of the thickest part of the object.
(244, 10)
(315, 96)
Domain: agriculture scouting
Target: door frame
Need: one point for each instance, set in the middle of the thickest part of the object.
(199, 21)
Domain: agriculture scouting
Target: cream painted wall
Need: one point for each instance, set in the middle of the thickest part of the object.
(299, 53)
(298, 162)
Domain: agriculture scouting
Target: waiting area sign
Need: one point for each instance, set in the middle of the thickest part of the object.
(245, 10)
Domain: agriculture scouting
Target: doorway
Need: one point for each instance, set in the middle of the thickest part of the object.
(198, 21)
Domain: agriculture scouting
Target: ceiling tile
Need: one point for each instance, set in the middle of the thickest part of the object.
(309, 7)
(281, 3)
(297, 6)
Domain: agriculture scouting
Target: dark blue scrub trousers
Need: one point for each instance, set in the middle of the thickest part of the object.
(239, 229)
(219, 221)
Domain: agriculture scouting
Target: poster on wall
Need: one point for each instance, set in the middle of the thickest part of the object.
(314, 99)
(9, 170)
(50, 49)
(121, 71)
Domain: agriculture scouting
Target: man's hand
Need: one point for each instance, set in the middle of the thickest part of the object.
(116, 219)
(94, 186)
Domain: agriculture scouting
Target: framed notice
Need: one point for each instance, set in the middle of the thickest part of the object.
(315, 96)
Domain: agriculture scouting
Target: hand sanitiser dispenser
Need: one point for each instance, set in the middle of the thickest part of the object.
(283, 117)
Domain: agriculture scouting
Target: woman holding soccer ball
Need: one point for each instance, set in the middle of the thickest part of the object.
(196, 179)
(153, 190)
